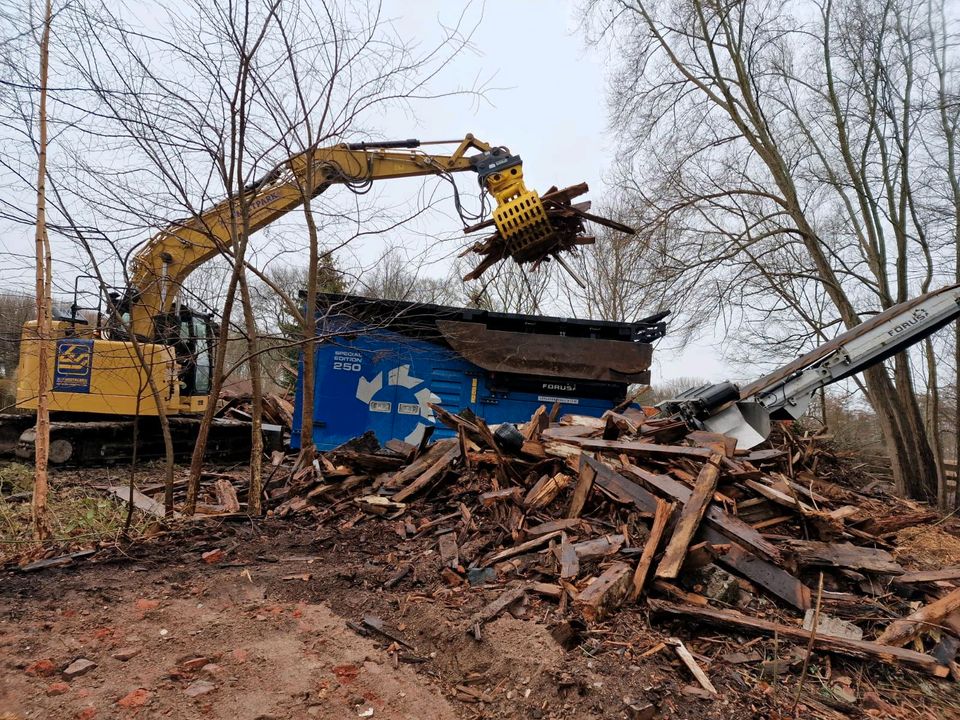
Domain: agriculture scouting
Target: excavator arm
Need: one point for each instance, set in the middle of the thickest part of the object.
(161, 267)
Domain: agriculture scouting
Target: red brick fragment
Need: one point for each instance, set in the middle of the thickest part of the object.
(41, 668)
(135, 699)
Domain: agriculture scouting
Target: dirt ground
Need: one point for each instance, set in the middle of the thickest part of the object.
(263, 633)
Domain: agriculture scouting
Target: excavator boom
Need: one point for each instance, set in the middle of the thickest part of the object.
(164, 263)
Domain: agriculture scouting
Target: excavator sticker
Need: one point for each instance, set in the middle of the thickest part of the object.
(74, 363)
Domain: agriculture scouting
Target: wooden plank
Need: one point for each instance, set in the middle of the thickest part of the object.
(562, 432)
(140, 501)
(582, 490)
(779, 497)
(605, 593)
(536, 424)
(690, 598)
(619, 487)
(730, 526)
(521, 548)
(660, 519)
(492, 609)
(551, 590)
(421, 464)
(764, 455)
(435, 471)
(492, 497)
(569, 562)
(689, 522)
(554, 525)
(924, 576)
(545, 490)
(846, 555)
(632, 447)
(770, 577)
(534, 449)
(585, 421)
(714, 441)
(902, 631)
(692, 665)
(598, 547)
(843, 646)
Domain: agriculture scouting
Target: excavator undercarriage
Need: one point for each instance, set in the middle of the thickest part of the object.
(80, 441)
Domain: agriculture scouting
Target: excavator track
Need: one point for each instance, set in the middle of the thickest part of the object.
(101, 442)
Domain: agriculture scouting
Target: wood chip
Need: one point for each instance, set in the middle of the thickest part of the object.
(692, 665)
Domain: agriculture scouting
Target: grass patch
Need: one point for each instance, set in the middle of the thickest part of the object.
(80, 516)
(15, 478)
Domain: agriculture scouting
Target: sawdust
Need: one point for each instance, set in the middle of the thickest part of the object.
(927, 546)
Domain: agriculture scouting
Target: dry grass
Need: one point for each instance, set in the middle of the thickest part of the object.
(80, 516)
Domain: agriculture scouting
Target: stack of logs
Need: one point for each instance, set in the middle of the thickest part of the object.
(601, 514)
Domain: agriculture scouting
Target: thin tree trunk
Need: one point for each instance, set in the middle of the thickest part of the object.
(216, 383)
(933, 421)
(308, 375)
(254, 505)
(41, 520)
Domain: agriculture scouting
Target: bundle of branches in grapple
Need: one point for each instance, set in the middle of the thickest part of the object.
(600, 514)
(559, 230)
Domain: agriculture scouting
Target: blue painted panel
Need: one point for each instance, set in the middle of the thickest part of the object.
(383, 381)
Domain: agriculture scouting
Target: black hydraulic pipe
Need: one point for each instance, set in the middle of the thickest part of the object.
(384, 145)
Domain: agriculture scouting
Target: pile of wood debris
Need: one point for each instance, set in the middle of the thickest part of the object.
(598, 515)
(236, 403)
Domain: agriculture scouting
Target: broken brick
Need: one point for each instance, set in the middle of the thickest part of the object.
(135, 698)
(41, 668)
(211, 557)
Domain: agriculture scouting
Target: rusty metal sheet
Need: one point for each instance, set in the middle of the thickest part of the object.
(549, 355)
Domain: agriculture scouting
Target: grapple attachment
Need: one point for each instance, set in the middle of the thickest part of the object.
(531, 228)
(520, 216)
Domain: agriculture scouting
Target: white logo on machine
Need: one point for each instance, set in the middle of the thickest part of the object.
(399, 376)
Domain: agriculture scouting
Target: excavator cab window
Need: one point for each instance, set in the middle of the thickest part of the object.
(194, 334)
(201, 383)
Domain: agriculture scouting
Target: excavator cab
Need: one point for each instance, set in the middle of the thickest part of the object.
(192, 336)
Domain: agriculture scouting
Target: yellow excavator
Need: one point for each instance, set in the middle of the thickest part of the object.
(98, 383)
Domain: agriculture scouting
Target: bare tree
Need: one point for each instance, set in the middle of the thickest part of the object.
(778, 148)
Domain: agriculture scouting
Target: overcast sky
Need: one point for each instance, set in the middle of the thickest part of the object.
(545, 100)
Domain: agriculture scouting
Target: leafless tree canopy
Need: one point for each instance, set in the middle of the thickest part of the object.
(795, 163)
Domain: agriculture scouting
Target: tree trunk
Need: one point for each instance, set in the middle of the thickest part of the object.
(933, 421)
(41, 520)
(216, 383)
(308, 375)
(254, 505)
